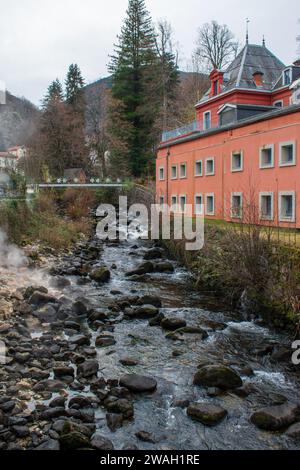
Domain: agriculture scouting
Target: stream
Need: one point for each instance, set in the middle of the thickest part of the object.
(245, 346)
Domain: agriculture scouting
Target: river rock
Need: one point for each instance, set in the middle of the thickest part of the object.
(219, 376)
(138, 383)
(88, 369)
(63, 371)
(99, 442)
(80, 340)
(173, 323)
(81, 307)
(59, 282)
(294, 431)
(143, 312)
(164, 267)
(275, 418)
(58, 402)
(105, 341)
(144, 268)
(50, 444)
(114, 421)
(46, 314)
(39, 299)
(208, 414)
(154, 253)
(121, 406)
(150, 300)
(129, 361)
(101, 275)
(156, 321)
(145, 437)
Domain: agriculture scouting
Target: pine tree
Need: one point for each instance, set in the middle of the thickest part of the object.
(54, 94)
(74, 84)
(134, 68)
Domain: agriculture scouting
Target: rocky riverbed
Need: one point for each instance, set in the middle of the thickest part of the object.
(111, 347)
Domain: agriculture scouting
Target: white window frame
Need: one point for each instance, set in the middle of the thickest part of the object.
(283, 76)
(196, 205)
(180, 206)
(196, 163)
(234, 216)
(285, 144)
(209, 195)
(287, 219)
(180, 167)
(277, 102)
(172, 197)
(266, 194)
(233, 154)
(210, 159)
(266, 147)
(162, 178)
(205, 128)
(174, 177)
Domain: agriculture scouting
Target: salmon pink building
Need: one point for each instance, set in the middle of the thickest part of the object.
(242, 151)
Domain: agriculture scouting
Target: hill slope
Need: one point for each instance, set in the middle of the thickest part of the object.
(17, 121)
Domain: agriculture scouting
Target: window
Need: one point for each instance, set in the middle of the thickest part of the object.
(174, 201)
(183, 203)
(161, 173)
(174, 172)
(198, 168)
(287, 77)
(287, 211)
(266, 206)
(215, 87)
(266, 158)
(210, 167)
(237, 163)
(210, 204)
(278, 104)
(183, 170)
(207, 120)
(236, 205)
(161, 200)
(287, 154)
(198, 204)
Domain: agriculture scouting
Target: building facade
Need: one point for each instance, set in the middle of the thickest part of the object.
(242, 156)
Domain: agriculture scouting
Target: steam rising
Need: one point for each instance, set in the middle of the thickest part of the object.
(11, 257)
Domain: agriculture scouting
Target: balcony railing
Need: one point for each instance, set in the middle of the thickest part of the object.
(184, 130)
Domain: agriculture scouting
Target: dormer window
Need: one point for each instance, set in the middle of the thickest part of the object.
(287, 77)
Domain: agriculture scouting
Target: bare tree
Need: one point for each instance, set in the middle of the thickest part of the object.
(216, 46)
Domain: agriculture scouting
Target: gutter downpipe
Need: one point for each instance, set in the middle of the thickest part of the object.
(167, 175)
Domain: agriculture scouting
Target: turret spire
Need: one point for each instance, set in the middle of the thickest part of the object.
(247, 30)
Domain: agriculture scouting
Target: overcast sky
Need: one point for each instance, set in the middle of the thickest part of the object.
(40, 38)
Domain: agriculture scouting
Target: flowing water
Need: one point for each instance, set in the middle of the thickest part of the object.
(238, 345)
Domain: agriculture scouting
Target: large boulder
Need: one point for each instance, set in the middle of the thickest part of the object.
(173, 323)
(138, 383)
(208, 414)
(154, 253)
(275, 418)
(101, 275)
(72, 439)
(164, 267)
(219, 376)
(80, 340)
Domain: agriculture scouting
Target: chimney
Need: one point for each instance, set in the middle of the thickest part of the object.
(258, 78)
(297, 63)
